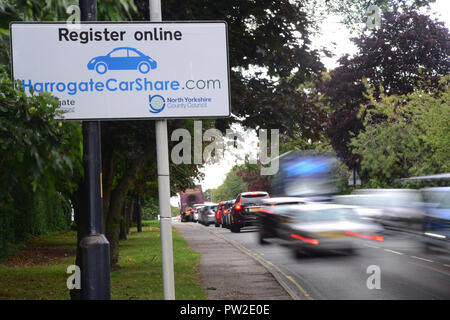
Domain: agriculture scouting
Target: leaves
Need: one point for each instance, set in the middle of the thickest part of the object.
(409, 48)
(413, 139)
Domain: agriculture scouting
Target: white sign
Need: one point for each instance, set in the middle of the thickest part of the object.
(126, 70)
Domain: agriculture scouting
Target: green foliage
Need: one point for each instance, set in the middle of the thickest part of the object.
(231, 187)
(150, 209)
(54, 10)
(174, 211)
(404, 135)
(40, 163)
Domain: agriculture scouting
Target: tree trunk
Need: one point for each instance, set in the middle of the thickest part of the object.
(118, 198)
(130, 215)
(123, 223)
(108, 177)
(138, 213)
(78, 203)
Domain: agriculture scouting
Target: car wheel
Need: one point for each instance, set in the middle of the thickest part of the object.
(144, 67)
(350, 251)
(101, 68)
(235, 228)
(298, 254)
(261, 239)
(428, 248)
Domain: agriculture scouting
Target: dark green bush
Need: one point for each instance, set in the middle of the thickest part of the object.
(40, 164)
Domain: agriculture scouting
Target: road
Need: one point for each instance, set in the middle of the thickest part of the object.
(406, 271)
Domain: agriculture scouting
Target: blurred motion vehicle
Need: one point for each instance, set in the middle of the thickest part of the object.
(195, 208)
(207, 213)
(306, 174)
(187, 215)
(311, 227)
(243, 213)
(218, 214)
(395, 209)
(267, 220)
(226, 213)
(188, 198)
(436, 226)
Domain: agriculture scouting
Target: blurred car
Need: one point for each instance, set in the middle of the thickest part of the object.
(218, 214)
(226, 213)
(266, 218)
(196, 208)
(395, 209)
(243, 213)
(187, 215)
(436, 226)
(314, 227)
(207, 213)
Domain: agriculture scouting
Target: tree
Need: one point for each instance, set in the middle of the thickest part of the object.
(40, 164)
(412, 140)
(354, 13)
(231, 187)
(407, 48)
(129, 163)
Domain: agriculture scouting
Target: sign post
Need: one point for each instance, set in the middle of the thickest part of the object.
(121, 71)
(94, 247)
(162, 158)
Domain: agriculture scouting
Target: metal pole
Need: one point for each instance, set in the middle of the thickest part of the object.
(94, 247)
(162, 157)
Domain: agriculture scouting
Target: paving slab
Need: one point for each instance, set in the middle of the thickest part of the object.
(226, 272)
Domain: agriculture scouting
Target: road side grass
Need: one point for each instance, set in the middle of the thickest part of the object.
(139, 275)
(27, 277)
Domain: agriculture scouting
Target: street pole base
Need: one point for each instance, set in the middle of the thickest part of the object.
(95, 275)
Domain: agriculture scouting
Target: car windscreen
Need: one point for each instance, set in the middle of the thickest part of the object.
(343, 214)
(440, 198)
(254, 198)
(319, 215)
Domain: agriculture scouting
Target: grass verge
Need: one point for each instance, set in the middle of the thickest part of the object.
(39, 270)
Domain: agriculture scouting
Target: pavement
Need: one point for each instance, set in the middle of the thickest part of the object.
(227, 270)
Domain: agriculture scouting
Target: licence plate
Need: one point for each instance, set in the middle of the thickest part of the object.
(334, 235)
(253, 209)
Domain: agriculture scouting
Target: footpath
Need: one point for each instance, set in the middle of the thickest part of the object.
(226, 272)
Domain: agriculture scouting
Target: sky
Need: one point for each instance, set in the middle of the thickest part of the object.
(331, 32)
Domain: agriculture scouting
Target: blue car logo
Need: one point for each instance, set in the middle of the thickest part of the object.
(156, 103)
(122, 58)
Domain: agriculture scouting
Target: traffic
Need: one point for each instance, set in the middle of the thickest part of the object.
(311, 217)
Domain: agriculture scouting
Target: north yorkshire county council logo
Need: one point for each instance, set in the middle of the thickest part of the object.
(156, 103)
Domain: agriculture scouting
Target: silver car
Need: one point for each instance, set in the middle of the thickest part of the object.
(395, 209)
(317, 226)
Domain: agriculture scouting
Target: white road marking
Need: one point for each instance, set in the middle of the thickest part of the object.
(422, 259)
(375, 247)
(396, 252)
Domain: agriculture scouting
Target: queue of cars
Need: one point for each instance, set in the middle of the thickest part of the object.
(232, 214)
(342, 223)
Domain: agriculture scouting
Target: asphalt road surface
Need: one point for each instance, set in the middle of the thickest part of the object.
(405, 270)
